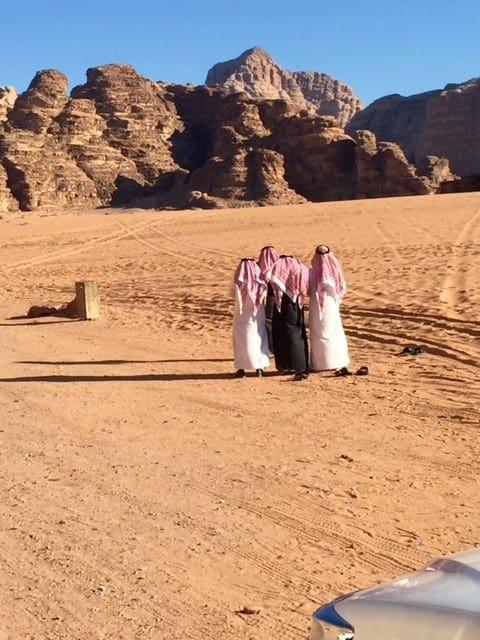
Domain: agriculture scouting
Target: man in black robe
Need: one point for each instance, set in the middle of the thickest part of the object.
(289, 280)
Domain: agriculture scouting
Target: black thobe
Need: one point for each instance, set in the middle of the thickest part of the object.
(290, 346)
(269, 307)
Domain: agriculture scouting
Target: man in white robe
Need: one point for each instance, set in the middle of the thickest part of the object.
(250, 342)
(328, 343)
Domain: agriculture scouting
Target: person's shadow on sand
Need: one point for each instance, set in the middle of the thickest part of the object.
(145, 377)
(118, 361)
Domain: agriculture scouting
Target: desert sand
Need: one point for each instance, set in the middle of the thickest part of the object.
(146, 493)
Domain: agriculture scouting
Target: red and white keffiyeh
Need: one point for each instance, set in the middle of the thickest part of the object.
(326, 275)
(249, 284)
(268, 255)
(288, 275)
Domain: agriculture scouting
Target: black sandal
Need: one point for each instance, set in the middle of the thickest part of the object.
(413, 350)
(300, 375)
(408, 350)
(340, 373)
(363, 371)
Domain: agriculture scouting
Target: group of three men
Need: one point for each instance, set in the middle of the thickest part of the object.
(269, 313)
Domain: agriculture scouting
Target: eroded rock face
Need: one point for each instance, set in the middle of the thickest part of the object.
(267, 183)
(103, 145)
(323, 163)
(443, 123)
(436, 169)
(44, 99)
(319, 157)
(255, 73)
(8, 95)
(395, 119)
(460, 185)
(330, 97)
(7, 201)
(121, 138)
(79, 130)
(452, 128)
(138, 115)
(383, 170)
(40, 174)
(225, 146)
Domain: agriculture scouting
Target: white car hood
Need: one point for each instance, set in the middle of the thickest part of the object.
(442, 599)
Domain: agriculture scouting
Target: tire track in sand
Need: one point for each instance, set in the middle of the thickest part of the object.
(181, 257)
(388, 238)
(384, 554)
(202, 247)
(98, 241)
(454, 288)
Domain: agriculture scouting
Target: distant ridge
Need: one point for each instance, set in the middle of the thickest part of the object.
(121, 139)
(443, 122)
(254, 134)
(255, 73)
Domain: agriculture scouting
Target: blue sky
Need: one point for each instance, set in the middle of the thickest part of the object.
(376, 47)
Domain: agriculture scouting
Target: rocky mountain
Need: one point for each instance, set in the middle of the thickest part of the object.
(121, 138)
(443, 123)
(452, 127)
(255, 73)
(396, 119)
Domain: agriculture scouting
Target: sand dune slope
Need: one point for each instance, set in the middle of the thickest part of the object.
(148, 494)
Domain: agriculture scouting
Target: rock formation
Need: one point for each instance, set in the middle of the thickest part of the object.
(7, 200)
(40, 173)
(443, 123)
(255, 73)
(311, 156)
(330, 97)
(8, 95)
(121, 138)
(225, 146)
(460, 185)
(396, 119)
(383, 167)
(138, 117)
(452, 128)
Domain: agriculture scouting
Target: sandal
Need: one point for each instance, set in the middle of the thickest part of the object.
(413, 350)
(408, 350)
(363, 371)
(300, 375)
(340, 373)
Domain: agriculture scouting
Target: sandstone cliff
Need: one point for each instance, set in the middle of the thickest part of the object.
(330, 97)
(255, 73)
(8, 95)
(39, 172)
(452, 128)
(396, 119)
(121, 138)
(443, 123)
(239, 149)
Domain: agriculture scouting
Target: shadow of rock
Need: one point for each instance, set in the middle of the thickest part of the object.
(67, 311)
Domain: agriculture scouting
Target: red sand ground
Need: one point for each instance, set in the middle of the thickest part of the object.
(147, 494)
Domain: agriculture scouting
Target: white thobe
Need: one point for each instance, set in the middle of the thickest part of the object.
(328, 343)
(250, 342)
